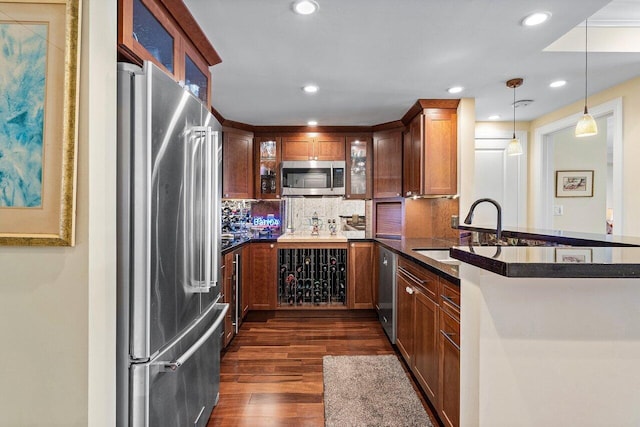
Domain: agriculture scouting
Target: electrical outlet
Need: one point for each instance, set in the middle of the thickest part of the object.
(558, 210)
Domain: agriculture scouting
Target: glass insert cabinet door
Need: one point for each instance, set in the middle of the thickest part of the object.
(150, 33)
(195, 80)
(268, 185)
(359, 164)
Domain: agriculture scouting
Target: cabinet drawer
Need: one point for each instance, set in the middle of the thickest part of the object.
(450, 328)
(450, 298)
(418, 276)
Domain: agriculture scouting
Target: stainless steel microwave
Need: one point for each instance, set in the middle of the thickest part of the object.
(313, 178)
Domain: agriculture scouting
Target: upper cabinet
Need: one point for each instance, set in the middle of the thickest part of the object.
(165, 33)
(359, 160)
(237, 165)
(387, 164)
(313, 147)
(268, 167)
(431, 149)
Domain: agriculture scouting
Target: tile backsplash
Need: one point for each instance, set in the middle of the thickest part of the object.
(300, 210)
(296, 213)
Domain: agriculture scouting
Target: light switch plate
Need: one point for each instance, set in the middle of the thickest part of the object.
(558, 210)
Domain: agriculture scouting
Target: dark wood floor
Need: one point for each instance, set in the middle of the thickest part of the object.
(271, 373)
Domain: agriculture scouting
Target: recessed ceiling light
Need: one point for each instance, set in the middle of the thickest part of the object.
(494, 117)
(455, 89)
(305, 7)
(310, 88)
(558, 83)
(312, 123)
(536, 18)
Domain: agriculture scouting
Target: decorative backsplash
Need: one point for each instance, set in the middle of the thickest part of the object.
(246, 218)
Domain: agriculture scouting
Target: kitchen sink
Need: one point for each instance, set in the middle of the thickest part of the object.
(439, 255)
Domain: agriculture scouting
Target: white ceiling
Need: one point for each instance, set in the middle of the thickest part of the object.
(374, 58)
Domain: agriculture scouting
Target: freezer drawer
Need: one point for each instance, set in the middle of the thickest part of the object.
(180, 386)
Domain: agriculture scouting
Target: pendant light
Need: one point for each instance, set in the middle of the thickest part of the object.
(586, 125)
(514, 148)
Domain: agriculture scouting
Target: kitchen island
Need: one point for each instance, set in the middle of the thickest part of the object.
(549, 336)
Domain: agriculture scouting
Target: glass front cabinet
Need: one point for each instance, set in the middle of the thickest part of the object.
(268, 154)
(358, 167)
(154, 31)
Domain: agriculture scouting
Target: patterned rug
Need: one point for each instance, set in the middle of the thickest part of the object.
(369, 391)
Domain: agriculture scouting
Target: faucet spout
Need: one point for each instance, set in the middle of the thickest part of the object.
(469, 217)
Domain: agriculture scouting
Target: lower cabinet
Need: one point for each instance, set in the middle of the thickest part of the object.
(227, 279)
(361, 275)
(263, 258)
(428, 335)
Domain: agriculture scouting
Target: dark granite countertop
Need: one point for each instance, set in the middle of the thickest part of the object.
(407, 248)
(571, 238)
(559, 261)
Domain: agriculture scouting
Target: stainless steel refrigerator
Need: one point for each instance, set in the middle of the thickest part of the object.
(169, 320)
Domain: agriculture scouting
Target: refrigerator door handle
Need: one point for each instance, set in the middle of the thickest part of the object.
(174, 365)
(215, 204)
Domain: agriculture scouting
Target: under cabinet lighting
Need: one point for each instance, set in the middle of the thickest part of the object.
(494, 117)
(312, 123)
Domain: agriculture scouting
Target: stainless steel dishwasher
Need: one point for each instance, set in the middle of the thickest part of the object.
(386, 305)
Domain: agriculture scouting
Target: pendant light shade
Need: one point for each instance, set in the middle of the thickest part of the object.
(514, 148)
(586, 125)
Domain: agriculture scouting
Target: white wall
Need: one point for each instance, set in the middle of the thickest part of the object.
(57, 305)
(586, 214)
(629, 91)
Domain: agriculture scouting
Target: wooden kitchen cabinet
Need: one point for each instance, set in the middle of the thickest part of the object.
(263, 258)
(165, 33)
(237, 165)
(428, 335)
(426, 344)
(318, 147)
(359, 161)
(405, 319)
(449, 354)
(360, 284)
(267, 176)
(412, 158)
(430, 153)
(387, 164)
(227, 279)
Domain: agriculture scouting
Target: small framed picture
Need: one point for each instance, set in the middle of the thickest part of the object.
(573, 255)
(574, 183)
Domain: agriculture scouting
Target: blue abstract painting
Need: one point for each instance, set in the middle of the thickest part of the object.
(23, 59)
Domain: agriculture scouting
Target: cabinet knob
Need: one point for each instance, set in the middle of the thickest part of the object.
(353, 245)
(272, 246)
(277, 196)
(398, 194)
(409, 290)
(408, 193)
(226, 195)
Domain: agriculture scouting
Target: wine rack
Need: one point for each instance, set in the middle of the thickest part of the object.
(312, 277)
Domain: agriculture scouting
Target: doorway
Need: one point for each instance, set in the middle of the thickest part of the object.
(502, 178)
(546, 207)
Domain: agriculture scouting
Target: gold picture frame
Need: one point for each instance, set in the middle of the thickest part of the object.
(39, 65)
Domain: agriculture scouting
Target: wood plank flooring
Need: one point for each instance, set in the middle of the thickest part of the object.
(271, 373)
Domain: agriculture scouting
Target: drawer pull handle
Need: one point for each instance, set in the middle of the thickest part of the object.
(450, 301)
(448, 337)
(411, 276)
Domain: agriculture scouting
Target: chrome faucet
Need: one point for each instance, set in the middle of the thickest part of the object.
(469, 217)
